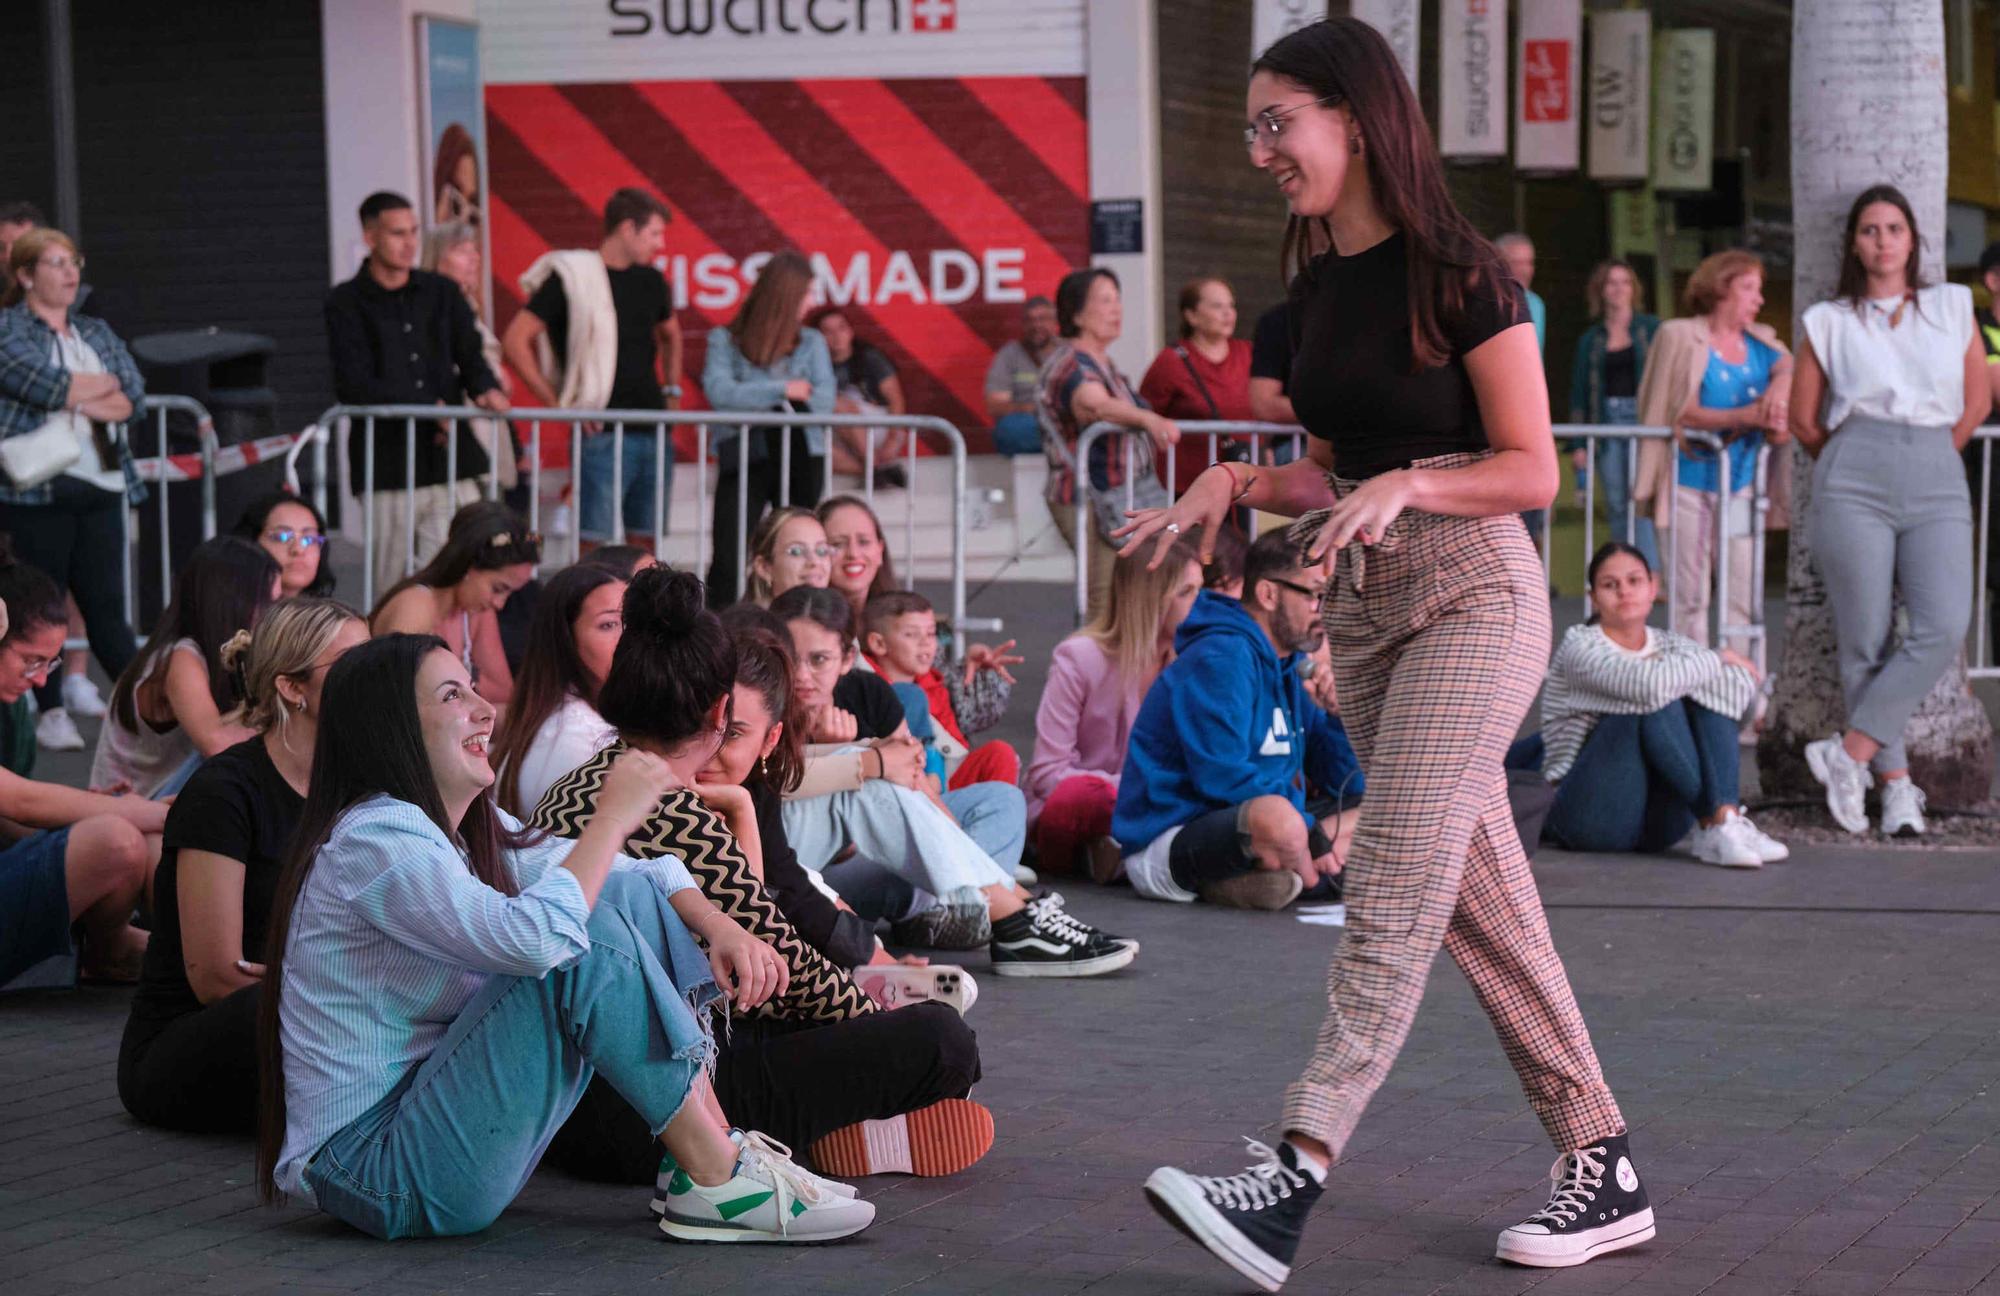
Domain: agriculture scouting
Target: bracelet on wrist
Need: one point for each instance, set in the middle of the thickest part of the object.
(1237, 490)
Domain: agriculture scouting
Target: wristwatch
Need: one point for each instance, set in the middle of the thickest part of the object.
(672, 389)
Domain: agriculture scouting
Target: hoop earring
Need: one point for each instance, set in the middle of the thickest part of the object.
(1354, 145)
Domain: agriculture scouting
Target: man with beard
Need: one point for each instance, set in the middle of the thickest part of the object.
(1012, 378)
(1212, 803)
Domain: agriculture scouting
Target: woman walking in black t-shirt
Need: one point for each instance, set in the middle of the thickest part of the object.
(1418, 376)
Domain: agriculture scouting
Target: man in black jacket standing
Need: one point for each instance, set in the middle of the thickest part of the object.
(403, 336)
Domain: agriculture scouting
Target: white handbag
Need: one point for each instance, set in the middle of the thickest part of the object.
(40, 456)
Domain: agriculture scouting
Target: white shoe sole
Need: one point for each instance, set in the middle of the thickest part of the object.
(1734, 862)
(1548, 1251)
(1098, 966)
(1180, 1203)
(1816, 762)
(682, 1231)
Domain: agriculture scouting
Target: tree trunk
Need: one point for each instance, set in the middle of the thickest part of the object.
(1868, 107)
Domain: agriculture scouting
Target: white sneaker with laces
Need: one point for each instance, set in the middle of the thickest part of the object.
(768, 1199)
(1768, 847)
(1728, 844)
(80, 695)
(1902, 808)
(55, 731)
(1846, 781)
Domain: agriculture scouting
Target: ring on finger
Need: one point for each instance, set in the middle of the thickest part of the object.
(1173, 528)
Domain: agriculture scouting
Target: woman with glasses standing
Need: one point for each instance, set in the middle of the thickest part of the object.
(294, 534)
(68, 382)
(1419, 377)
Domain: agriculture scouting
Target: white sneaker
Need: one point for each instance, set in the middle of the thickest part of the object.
(768, 1199)
(1902, 808)
(1846, 780)
(1149, 875)
(1728, 844)
(80, 695)
(1769, 848)
(55, 731)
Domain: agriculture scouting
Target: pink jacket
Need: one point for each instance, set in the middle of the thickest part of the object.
(1082, 723)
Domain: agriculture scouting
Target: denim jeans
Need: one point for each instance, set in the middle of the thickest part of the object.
(1614, 467)
(995, 816)
(1640, 782)
(446, 1150)
(903, 832)
(595, 499)
(1017, 434)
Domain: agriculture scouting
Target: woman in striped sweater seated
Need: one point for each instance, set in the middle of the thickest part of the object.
(1639, 730)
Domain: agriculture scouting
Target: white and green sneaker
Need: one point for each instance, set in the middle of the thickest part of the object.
(664, 1180)
(768, 1199)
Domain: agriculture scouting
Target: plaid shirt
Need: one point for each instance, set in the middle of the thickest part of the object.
(1064, 372)
(33, 387)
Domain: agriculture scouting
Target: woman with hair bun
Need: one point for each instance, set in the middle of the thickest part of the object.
(1420, 381)
(189, 1057)
(488, 554)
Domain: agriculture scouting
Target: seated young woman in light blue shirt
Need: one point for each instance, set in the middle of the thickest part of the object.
(442, 985)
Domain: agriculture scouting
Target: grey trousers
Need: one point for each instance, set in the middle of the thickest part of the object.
(1890, 511)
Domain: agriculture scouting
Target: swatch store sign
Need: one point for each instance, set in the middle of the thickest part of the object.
(929, 156)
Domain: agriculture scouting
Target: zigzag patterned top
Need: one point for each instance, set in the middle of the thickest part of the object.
(684, 825)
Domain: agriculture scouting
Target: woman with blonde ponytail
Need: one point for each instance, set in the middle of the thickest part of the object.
(189, 1057)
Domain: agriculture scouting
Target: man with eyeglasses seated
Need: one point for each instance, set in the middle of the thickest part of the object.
(1212, 804)
(77, 859)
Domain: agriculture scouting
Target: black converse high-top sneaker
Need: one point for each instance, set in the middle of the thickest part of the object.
(1598, 1206)
(1250, 1221)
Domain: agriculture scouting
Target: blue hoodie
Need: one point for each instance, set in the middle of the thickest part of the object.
(1227, 722)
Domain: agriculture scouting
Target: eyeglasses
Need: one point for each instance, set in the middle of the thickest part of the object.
(797, 551)
(31, 665)
(287, 536)
(1317, 596)
(60, 263)
(1270, 124)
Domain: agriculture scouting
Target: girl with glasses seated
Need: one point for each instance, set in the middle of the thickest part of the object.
(291, 530)
(789, 548)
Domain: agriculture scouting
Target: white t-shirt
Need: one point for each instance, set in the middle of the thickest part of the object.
(71, 352)
(1912, 373)
(572, 734)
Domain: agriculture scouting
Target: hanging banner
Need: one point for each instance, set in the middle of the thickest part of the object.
(1274, 18)
(1548, 100)
(1684, 110)
(1398, 21)
(1472, 78)
(1621, 66)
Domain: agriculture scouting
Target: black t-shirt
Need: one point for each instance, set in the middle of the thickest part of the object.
(1621, 372)
(865, 370)
(1271, 346)
(238, 806)
(878, 712)
(639, 297)
(1352, 382)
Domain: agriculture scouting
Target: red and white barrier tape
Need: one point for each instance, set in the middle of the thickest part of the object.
(228, 459)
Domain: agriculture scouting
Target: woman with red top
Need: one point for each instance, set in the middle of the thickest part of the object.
(1205, 375)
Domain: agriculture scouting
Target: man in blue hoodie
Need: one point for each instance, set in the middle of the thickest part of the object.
(1211, 803)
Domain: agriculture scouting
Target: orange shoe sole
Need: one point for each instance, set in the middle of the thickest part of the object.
(941, 1139)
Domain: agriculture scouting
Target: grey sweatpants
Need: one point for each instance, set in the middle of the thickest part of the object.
(1890, 511)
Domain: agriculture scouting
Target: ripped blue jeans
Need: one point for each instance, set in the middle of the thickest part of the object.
(452, 1145)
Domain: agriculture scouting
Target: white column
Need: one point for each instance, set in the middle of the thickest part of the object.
(1123, 101)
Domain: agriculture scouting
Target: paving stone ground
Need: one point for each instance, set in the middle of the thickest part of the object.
(1809, 1058)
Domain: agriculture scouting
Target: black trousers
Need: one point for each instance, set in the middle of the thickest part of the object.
(197, 1072)
(762, 491)
(78, 538)
(791, 1080)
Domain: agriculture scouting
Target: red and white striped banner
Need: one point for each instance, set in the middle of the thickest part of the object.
(228, 459)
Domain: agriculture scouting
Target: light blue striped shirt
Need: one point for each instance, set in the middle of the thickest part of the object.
(391, 937)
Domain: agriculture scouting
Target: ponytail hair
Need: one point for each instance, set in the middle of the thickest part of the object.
(673, 661)
(286, 643)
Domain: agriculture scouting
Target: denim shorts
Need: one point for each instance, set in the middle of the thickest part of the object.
(34, 903)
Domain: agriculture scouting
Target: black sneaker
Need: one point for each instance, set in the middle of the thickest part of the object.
(1043, 940)
(1598, 1206)
(1250, 1221)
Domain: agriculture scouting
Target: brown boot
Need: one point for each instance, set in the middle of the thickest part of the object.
(1258, 889)
(1107, 861)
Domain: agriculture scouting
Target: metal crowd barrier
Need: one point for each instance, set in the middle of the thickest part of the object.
(1589, 434)
(154, 472)
(1980, 661)
(615, 424)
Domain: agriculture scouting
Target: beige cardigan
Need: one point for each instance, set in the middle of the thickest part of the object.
(1669, 388)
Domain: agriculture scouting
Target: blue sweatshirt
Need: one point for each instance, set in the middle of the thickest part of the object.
(1227, 722)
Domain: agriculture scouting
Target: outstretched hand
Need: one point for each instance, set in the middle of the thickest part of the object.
(1204, 508)
(979, 657)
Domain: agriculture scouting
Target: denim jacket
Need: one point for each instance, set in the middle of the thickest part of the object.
(731, 382)
(33, 386)
(1586, 382)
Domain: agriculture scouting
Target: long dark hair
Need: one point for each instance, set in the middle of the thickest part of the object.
(371, 742)
(550, 672)
(672, 663)
(885, 575)
(764, 665)
(484, 536)
(223, 588)
(29, 595)
(1854, 275)
(1345, 59)
(1606, 552)
(826, 608)
(251, 522)
(766, 328)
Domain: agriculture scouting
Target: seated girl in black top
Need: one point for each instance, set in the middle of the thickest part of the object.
(189, 1059)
